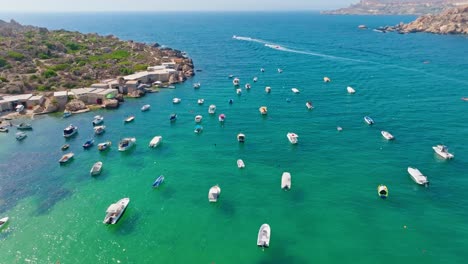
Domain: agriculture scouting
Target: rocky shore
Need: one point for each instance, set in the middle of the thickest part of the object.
(450, 21)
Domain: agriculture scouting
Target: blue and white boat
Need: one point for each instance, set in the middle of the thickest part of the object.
(173, 117)
(70, 131)
(104, 145)
(368, 120)
(20, 136)
(198, 129)
(158, 181)
(88, 143)
(66, 114)
(98, 120)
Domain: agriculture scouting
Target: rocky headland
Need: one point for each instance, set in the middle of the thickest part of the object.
(35, 59)
(396, 7)
(450, 21)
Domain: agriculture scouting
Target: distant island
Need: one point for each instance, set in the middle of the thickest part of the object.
(35, 59)
(397, 7)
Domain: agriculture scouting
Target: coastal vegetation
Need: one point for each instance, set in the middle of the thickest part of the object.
(38, 59)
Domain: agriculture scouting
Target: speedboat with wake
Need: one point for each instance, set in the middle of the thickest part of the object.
(263, 238)
(213, 194)
(115, 211)
(126, 143)
(292, 137)
(286, 181)
(442, 151)
(70, 131)
(417, 176)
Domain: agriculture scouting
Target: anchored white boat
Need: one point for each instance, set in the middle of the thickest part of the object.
(247, 86)
(326, 79)
(96, 169)
(115, 211)
(280, 70)
(295, 90)
(65, 158)
(126, 143)
(382, 190)
(263, 238)
(387, 135)
(212, 109)
(368, 120)
(350, 90)
(103, 146)
(239, 91)
(240, 164)
(24, 126)
(129, 119)
(263, 110)
(155, 141)
(292, 137)
(98, 130)
(255, 79)
(3, 222)
(198, 118)
(417, 176)
(236, 81)
(442, 151)
(201, 101)
(98, 120)
(198, 129)
(286, 181)
(70, 131)
(176, 100)
(196, 85)
(20, 136)
(213, 194)
(146, 107)
(241, 138)
(268, 89)
(221, 117)
(309, 105)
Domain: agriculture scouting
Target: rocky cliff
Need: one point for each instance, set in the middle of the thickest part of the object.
(36, 59)
(396, 7)
(450, 21)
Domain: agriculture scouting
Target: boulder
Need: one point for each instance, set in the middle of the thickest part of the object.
(111, 103)
(75, 105)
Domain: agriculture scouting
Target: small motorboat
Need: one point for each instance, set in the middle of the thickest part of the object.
(104, 145)
(126, 143)
(295, 90)
(280, 70)
(442, 151)
(158, 181)
(3, 222)
(241, 138)
(198, 129)
(221, 117)
(350, 90)
(176, 100)
(20, 136)
(247, 86)
(309, 105)
(240, 164)
(65, 147)
(98, 130)
(262, 69)
(155, 141)
(339, 128)
(212, 109)
(115, 211)
(4, 129)
(239, 91)
(70, 131)
(326, 79)
(286, 181)
(417, 176)
(129, 119)
(263, 238)
(201, 101)
(88, 143)
(24, 126)
(292, 137)
(263, 110)
(464, 98)
(96, 169)
(65, 158)
(368, 120)
(268, 89)
(98, 120)
(231, 101)
(230, 76)
(255, 79)
(236, 81)
(198, 118)
(66, 114)
(387, 135)
(146, 107)
(196, 85)
(382, 190)
(173, 117)
(213, 194)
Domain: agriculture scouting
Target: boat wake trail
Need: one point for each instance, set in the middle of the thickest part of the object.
(282, 48)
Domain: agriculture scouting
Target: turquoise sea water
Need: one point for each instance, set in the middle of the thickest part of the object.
(332, 214)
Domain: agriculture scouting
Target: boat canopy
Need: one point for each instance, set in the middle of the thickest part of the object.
(113, 208)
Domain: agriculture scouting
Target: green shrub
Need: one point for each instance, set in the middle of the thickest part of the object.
(59, 67)
(43, 88)
(73, 46)
(3, 62)
(140, 67)
(43, 56)
(118, 55)
(49, 73)
(15, 55)
(126, 71)
(3, 79)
